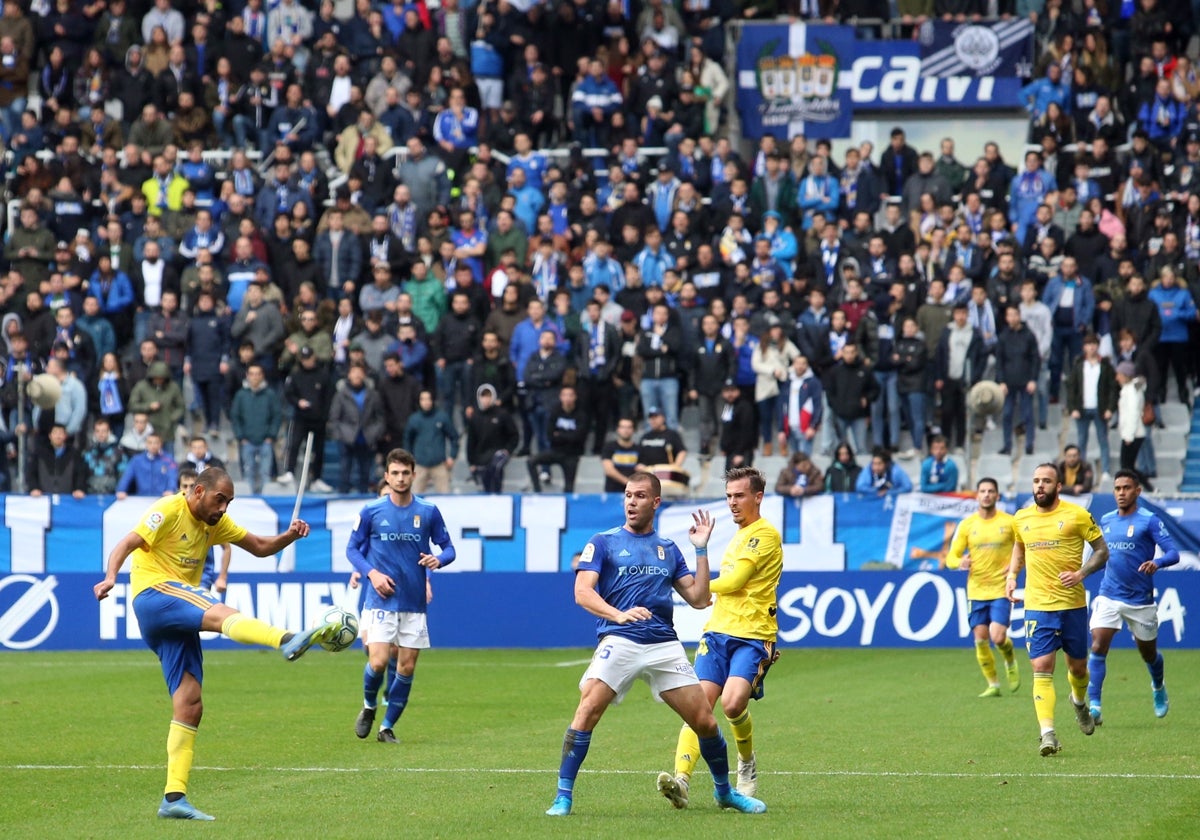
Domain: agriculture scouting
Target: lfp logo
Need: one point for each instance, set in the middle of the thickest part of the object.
(28, 611)
(799, 87)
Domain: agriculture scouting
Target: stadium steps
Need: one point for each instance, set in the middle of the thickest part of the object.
(1191, 465)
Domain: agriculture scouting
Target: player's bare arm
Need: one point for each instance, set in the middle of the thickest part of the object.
(587, 597)
(261, 546)
(1015, 565)
(1094, 564)
(430, 561)
(116, 559)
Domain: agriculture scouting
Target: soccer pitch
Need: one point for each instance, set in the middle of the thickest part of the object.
(859, 743)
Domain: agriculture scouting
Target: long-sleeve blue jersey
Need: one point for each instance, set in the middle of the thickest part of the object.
(1131, 542)
(391, 540)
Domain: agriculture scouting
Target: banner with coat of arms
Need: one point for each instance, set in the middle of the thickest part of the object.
(796, 73)
(807, 79)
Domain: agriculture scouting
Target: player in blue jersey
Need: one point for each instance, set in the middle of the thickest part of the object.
(390, 547)
(625, 578)
(1127, 591)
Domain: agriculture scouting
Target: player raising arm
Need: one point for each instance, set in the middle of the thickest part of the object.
(625, 577)
(169, 546)
(390, 547)
(1049, 538)
(1127, 591)
(986, 538)
(738, 645)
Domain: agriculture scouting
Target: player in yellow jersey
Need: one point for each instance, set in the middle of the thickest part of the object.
(1049, 537)
(169, 546)
(986, 538)
(738, 645)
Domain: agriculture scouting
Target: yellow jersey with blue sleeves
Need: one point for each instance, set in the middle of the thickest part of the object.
(177, 544)
(1054, 543)
(750, 612)
(989, 544)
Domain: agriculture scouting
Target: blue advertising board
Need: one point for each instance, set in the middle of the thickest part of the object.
(857, 570)
(528, 610)
(809, 78)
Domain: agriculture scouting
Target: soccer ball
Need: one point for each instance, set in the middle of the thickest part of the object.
(347, 631)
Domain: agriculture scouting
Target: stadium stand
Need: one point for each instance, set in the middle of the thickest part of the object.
(191, 180)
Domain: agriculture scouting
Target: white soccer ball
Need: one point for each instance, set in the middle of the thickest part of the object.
(347, 629)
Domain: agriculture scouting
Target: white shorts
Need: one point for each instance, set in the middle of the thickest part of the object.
(1141, 618)
(491, 92)
(618, 661)
(406, 629)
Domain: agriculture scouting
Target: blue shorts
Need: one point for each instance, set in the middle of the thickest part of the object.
(998, 610)
(170, 622)
(720, 657)
(1047, 631)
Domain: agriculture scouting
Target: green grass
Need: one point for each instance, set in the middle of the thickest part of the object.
(862, 743)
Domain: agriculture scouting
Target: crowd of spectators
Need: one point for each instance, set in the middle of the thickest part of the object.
(473, 295)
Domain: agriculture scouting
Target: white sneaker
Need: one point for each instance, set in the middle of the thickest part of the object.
(285, 478)
(319, 486)
(674, 788)
(1105, 478)
(747, 776)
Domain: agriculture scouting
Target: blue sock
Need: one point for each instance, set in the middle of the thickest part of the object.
(391, 670)
(574, 751)
(372, 680)
(1097, 669)
(397, 699)
(716, 756)
(1156, 671)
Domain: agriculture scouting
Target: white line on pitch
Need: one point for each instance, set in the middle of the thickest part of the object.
(901, 774)
(572, 663)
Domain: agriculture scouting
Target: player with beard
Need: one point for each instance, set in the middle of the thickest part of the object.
(1049, 538)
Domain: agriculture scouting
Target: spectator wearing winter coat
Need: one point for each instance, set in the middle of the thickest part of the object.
(567, 429)
(801, 408)
(57, 467)
(883, 476)
(160, 398)
(939, 473)
(308, 389)
(800, 478)
(1069, 298)
(431, 437)
(260, 323)
(207, 359)
(356, 420)
(103, 461)
(255, 417)
(738, 438)
(842, 475)
(1017, 366)
(491, 439)
(850, 389)
(1176, 309)
(150, 473)
(452, 345)
(958, 362)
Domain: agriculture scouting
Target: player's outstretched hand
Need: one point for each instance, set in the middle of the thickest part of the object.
(298, 529)
(430, 561)
(355, 577)
(103, 588)
(635, 614)
(702, 528)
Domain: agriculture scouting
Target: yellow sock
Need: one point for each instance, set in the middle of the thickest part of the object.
(686, 752)
(251, 631)
(1043, 699)
(987, 662)
(743, 734)
(1078, 687)
(181, 748)
(1006, 649)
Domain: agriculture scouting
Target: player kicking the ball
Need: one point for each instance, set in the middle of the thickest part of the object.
(390, 548)
(986, 538)
(1127, 591)
(169, 546)
(625, 577)
(738, 645)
